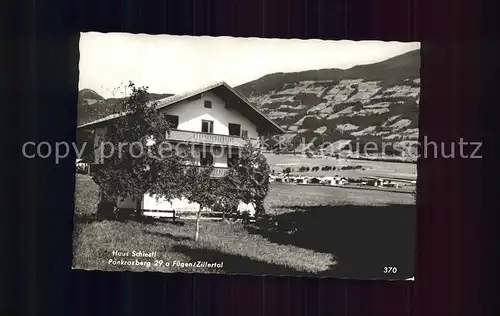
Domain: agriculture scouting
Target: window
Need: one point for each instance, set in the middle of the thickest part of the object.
(234, 129)
(244, 134)
(206, 159)
(207, 126)
(173, 121)
(208, 104)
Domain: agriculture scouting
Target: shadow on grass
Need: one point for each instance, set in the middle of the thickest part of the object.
(236, 264)
(123, 217)
(168, 235)
(363, 239)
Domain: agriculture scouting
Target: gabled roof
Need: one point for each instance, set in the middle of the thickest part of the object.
(163, 103)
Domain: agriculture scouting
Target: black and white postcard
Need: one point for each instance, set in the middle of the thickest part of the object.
(223, 155)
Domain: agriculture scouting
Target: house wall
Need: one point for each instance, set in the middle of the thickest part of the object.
(191, 113)
(219, 154)
(150, 202)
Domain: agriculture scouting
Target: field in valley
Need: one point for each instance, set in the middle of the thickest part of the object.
(321, 231)
(372, 168)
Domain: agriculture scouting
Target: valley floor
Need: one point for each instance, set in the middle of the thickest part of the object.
(407, 171)
(320, 231)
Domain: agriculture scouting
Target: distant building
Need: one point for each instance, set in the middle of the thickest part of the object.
(315, 180)
(336, 180)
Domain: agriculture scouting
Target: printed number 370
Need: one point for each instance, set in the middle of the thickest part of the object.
(390, 269)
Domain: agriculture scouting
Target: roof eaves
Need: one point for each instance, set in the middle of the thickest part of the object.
(103, 119)
(242, 97)
(162, 103)
(183, 96)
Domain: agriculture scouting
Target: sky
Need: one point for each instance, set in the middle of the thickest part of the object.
(176, 64)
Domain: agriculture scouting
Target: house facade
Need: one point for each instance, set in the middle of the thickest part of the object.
(213, 122)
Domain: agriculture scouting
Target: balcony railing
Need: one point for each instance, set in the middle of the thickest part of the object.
(217, 172)
(207, 138)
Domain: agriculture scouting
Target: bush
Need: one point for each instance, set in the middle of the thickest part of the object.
(351, 167)
(106, 210)
(81, 170)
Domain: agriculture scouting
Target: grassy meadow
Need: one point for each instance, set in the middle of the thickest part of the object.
(311, 231)
(371, 168)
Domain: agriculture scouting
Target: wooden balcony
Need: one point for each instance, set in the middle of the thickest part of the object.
(208, 138)
(217, 172)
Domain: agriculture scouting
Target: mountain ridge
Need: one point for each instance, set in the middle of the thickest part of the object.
(375, 102)
(93, 106)
(372, 103)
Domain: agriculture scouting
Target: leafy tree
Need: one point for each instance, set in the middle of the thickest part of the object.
(271, 143)
(133, 157)
(205, 190)
(248, 180)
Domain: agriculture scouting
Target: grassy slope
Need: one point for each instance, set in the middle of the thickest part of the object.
(391, 71)
(321, 230)
(372, 168)
(95, 240)
(396, 71)
(86, 195)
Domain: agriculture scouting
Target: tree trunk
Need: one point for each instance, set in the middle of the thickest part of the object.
(100, 198)
(198, 215)
(138, 207)
(100, 194)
